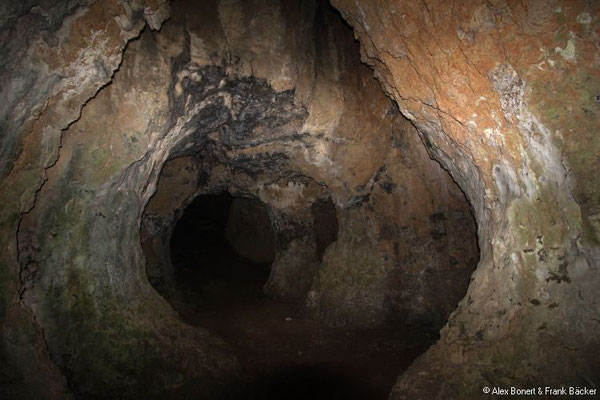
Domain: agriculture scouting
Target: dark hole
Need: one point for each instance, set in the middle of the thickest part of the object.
(325, 225)
(202, 226)
(222, 249)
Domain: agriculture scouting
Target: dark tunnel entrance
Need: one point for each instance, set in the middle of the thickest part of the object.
(221, 250)
(366, 248)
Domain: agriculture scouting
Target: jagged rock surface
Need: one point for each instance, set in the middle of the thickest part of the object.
(285, 150)
(55, 57)
(504, 94)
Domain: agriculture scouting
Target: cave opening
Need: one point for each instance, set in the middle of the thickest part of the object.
(117, 114)
(218, 276)
(326, 257)
(221, 249)
(287, 211)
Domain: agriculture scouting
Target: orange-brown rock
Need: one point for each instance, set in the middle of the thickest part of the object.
(497, 90)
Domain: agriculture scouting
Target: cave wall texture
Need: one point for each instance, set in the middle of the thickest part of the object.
(268, 100)
(505, 94)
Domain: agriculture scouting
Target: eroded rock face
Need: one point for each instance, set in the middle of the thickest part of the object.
(263, 99)
(55, 57)
(504, 95)
(276, 146)
(101, 322)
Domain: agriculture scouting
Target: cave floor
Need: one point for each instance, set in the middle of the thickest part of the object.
(284, 353)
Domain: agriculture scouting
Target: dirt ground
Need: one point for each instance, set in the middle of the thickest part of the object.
(286, 354)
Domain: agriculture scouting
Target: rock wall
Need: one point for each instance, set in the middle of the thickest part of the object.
(56, 56)
(505, 96)
(235, 98)
(81, 263)
(405, 250)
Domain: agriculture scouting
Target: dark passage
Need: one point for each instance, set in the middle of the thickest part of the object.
(221, 251)
(285, 353)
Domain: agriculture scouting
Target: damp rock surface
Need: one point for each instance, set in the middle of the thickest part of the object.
(412, 120)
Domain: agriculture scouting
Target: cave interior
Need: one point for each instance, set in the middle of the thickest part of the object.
(298, 199)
